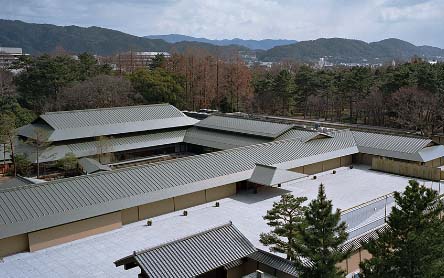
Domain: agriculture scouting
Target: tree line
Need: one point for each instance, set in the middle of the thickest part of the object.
(407, 96)
(313, 237)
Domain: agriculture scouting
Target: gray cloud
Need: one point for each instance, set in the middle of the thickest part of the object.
(418, 21)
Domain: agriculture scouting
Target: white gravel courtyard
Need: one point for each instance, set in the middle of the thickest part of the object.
(94, 256)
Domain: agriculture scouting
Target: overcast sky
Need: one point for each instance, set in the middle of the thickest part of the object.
(418, 21)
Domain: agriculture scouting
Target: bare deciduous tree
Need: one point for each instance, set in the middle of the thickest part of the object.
(98, 92)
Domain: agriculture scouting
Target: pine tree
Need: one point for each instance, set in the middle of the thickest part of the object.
(412, 245)
(285, 218)
(321, 240)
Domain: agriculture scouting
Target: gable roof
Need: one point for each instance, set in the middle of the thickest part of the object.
(91, 166)
(72, 199)
(192, 256)
(221, 140)
(269, 175)
(68, 125)
(400, 147)
(111, 144)
(245, 126)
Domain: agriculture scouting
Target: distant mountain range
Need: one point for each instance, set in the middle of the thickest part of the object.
(46, 38)
(346, 50)
(251, 44)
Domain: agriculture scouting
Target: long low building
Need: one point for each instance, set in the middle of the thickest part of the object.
(124, 196)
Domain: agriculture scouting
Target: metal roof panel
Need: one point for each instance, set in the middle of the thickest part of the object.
(245, 126)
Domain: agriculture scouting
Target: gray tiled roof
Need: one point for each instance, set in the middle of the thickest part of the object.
(194, 255)
(401, 147)
(15, 182)
(68, 125)
(67, 200)
(36, 130)
(19, 181)
(356, 242)
(275, 262)
(245, 126)
(91, 166)
(107, 116)
(390, 142)
(114, 144)
(269, 175)
(233, 264)
(219, 139)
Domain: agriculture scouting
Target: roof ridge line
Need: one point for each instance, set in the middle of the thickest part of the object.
(405, 135)
(267, 166)
(108, 108)
(210, 229)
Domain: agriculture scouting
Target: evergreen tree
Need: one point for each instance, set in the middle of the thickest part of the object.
(22, 166)
(307, 83)
(68, 163)
(284, 87)
(158, 86)
(412, 245)
(285, 218)
(321, 240)
(158, 61)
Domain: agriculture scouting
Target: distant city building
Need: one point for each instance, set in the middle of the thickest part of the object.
(249, 57)
(8, 55)
(130, 61)
(266, 64)
(322, 63)
(393, 63)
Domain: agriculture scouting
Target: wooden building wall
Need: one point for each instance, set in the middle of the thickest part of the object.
(13, 245)
(406, 169)
(156, 208)
(68, 232)
(352, 264)
(189, 200)
(326, 165)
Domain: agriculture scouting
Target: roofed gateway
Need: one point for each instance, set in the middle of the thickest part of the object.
(205, 253)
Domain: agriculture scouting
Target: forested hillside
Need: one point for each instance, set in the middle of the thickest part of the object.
(251, 44)
(345, 50)
(46, 38)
